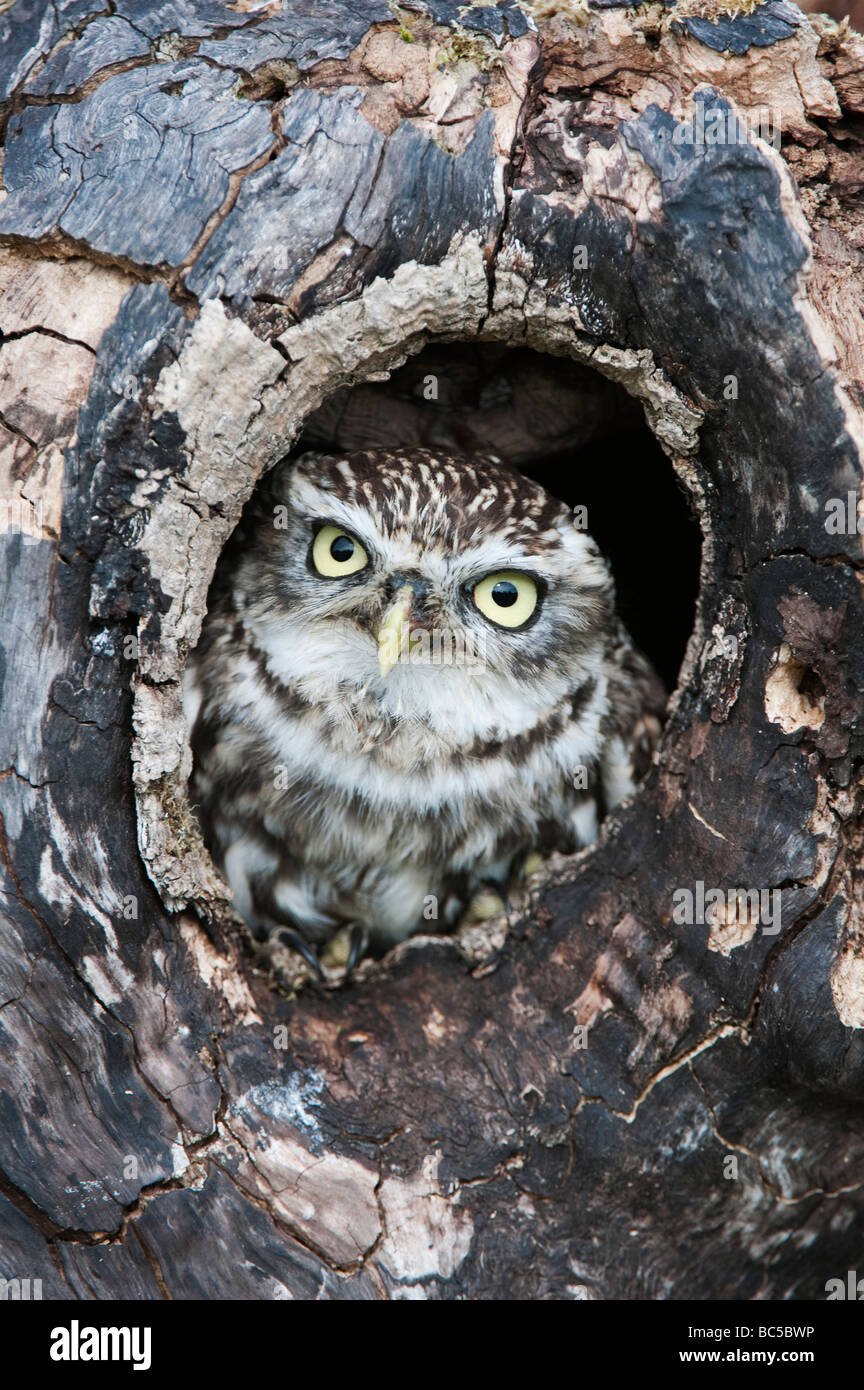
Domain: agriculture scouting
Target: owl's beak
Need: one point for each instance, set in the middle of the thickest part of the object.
(393, 632)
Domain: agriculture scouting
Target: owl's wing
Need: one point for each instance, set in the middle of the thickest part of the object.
(634, 719)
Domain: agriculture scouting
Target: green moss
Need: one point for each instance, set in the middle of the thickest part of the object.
(406, 20)
(182, 825)
(471, 48)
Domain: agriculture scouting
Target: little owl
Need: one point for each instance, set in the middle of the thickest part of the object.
(411, 675)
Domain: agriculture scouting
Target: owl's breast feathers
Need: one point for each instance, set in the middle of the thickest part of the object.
(327, 811)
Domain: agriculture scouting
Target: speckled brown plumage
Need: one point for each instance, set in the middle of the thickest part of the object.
(332, 792)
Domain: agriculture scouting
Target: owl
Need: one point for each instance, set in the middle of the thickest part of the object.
(411, 676)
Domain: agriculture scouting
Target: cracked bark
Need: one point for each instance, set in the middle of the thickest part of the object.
(304, 200)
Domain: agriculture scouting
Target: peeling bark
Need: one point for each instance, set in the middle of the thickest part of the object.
(213, 223)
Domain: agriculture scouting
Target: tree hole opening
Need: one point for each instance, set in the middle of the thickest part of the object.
(582, 437)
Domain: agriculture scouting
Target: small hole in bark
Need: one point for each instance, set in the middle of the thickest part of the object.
(794, 693)
(270, 82)
(811, 687)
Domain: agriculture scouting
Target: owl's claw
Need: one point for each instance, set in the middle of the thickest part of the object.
(342, 952)
(295, 942)
(359, 943)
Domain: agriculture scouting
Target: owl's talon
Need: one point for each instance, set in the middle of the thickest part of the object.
(359, 942)
(342, 952)
(295, 942)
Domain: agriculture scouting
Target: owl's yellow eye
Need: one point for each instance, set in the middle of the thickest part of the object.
(335, 554)
(507, 598)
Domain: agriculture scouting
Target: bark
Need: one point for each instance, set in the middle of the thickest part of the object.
(213, 220)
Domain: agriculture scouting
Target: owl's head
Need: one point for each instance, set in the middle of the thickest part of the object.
(421, 572)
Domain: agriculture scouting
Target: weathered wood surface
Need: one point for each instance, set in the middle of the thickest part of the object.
(212, 219)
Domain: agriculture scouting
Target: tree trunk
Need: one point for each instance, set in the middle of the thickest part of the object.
(213, 219)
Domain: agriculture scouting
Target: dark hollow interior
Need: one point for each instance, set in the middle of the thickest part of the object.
(580, 435)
